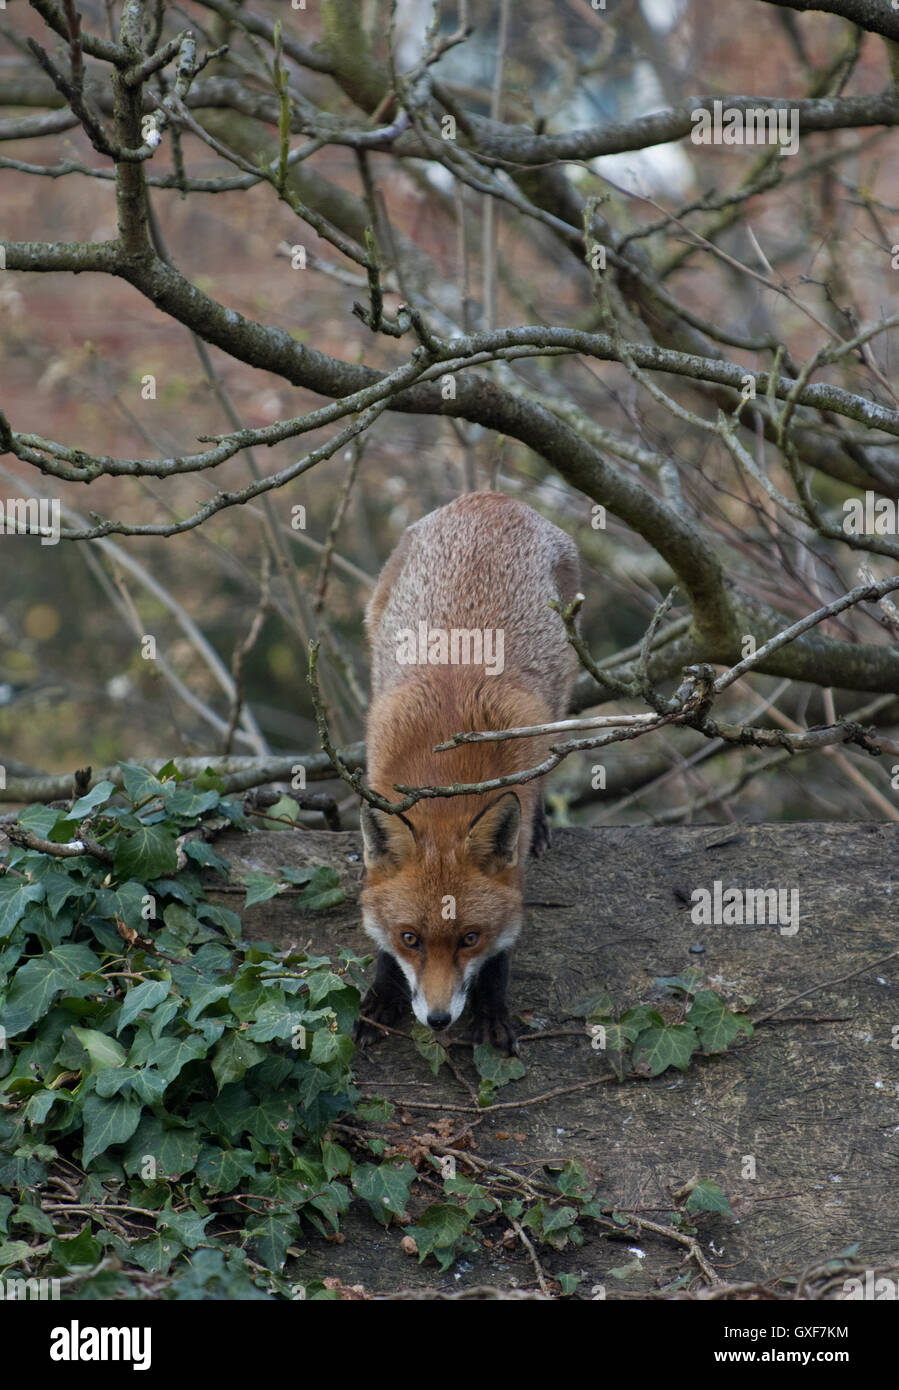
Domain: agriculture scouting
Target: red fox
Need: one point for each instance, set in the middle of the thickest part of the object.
(443, 883)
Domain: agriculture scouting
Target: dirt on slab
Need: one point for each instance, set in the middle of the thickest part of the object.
(799, 1126)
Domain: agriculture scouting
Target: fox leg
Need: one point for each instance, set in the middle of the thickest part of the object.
(491, 1019)
(385, 1002)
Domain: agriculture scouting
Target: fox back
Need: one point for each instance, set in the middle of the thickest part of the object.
(462, 637)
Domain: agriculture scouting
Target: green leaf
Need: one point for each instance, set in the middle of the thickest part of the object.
(707, 1196)
(145, 852)
(155, 1255)
(185, 801)
(39, 981)
(596, 1002)
(205, 855)
(94, 798)
(103, 1050)
(438, 1232)
(428, 1047)
(187, 1226)
(689, 981)
(79, 1252)
(221, 1170)
(139, 783)
(169, 1055)
(718, 1026)
(660, 1048)
(174, 1148)
(635, 1021)
(14, 1252)
(337, 1162)
(234, 1056)
(269, 1238)
(40, 819)
(284, 809)
(107, 1122)
(260, 887)
(143, 996)
(496, 1067)
(125, 901)
(15, 895)
(322, 891)
(385, 1187)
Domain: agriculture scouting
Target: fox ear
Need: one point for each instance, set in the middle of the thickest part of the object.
(493, 834)
(384, 837)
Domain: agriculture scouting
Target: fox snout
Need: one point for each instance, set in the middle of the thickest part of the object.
(438, 1002)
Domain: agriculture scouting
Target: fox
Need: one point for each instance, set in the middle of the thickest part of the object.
(443, 887)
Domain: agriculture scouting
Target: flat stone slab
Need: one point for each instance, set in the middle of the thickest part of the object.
(815, 1104)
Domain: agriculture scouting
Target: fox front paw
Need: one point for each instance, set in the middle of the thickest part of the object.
(376, 1009)
(496, 1029)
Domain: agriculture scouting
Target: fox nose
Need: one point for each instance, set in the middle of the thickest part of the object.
(438, 1021)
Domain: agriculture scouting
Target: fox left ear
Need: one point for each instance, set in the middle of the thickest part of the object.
(385, 837)
(493, 834)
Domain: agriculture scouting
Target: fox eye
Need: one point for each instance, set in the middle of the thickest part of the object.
(471, 938)
(409, 939)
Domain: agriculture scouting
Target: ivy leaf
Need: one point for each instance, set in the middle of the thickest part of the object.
(260, 887)
(79, 1252)
(143, 996)
(187, 802)
(707, 1196)
(496, 1066)
(187, 1226)
(40, 819)
(94, 798)
(139, 783)
(322, 891)
(15, 895)
(635, 1021)
(170, 1054)
(202, 853)
(610, 1041)
(270, 1237)
(438, 1232)
(335, 1159)
(39, 981)
(125, 901)
(173, 1148)
(145, 852)
(385, 1187)
(155, 1255)
(103, 1050)
(107, 1122)
(597, 1002)
(14, 1252)
(659, 1048)
(688, 982)
(428, 1047)
(718, 1025)
(234, 1056)
(220, 1170)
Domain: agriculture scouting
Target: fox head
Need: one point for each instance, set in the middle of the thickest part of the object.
(442, 896)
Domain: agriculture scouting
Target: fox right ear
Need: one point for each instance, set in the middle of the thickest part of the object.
(384, 837)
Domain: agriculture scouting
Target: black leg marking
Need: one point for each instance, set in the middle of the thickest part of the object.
(491, 1021)
(385, 1002)
(542, 839)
